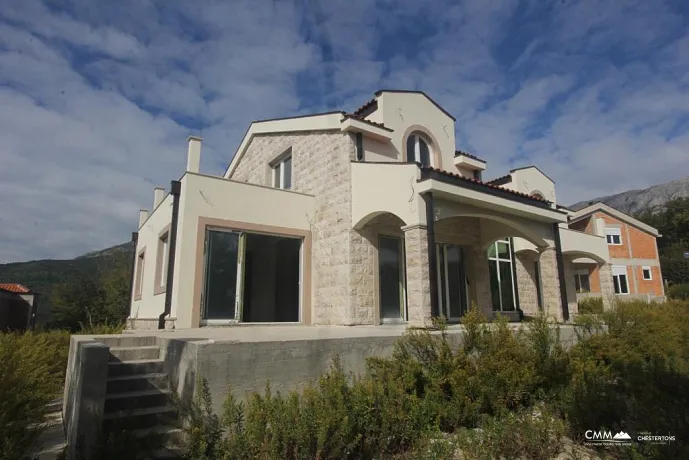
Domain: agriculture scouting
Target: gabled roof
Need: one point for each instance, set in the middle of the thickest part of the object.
(15, 288)
(535, 167)
(599, 206)
(354, 116)
(381, 91)
(368, 108)
(502, 180)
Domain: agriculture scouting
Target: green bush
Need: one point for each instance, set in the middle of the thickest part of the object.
(590, 305)
(678, 291)
(32, 368)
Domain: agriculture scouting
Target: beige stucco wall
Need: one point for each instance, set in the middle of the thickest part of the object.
(222, 199)
(531, 180)
(151, 305)
(407, 112)
(375, 150)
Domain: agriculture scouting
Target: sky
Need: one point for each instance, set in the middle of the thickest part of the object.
(97, 97)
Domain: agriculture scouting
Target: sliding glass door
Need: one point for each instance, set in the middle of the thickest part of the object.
(222, 291)
(452, 292)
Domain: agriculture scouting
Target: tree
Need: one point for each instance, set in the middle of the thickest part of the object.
(77, 302)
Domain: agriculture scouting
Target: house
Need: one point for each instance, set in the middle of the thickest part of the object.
(633, 248)
(18, 306)
(362, 218)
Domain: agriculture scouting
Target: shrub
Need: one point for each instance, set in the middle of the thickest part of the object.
(590, 305)
(32, 368)
(678, 291)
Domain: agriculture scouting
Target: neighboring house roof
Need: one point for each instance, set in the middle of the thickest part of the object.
(15, 287)
(502, 180)
(599, 206)
(532, 166)
(381, 91)
(459, 152)
(486, 185)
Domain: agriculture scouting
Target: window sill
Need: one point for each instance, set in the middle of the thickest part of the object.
(137, 296)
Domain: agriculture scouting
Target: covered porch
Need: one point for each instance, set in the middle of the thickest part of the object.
(453, 244)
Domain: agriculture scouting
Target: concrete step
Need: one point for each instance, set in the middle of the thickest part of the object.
(134, 353)
(55, 406)
(136, 400)
(116, 341)
(137, 382)
(148, 417)
(144, 366)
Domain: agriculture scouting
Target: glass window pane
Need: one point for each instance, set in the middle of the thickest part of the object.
(389, 270)
(442, 281)
(506, 286)
(503, 250)
(585, 286)
(623, 284)
(287, 173)
(494, 284)
(577, 285)
(491, 251)
(616, 284)
(411, 149)
(424, 153)
(221, 274)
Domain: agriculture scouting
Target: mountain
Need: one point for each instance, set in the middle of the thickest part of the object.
(649, 199)
(42, 275)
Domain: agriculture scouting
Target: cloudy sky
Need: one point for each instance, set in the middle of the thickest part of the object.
(97, 97)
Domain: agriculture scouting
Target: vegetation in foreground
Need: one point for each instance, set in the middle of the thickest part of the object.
(498, 394)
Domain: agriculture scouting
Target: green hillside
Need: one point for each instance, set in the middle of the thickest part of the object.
(42, 276)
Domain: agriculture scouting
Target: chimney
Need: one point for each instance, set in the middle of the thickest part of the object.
(143, 215)
(158, 195)
(194, 154)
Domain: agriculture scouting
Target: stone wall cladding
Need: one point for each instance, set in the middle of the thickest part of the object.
(526, 284)
(571, 289)
(320, 167)
(551, 284)
(607, 289)
(418, 287)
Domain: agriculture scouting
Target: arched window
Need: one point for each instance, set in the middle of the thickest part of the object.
(419, 149)
(537, 194)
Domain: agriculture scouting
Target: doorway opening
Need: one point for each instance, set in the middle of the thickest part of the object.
(251, 277)
(452, 286)
(392, 291)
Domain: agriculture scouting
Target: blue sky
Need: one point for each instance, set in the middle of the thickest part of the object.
(97, 97)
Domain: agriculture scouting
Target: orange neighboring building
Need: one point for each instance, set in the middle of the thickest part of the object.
(633, 253)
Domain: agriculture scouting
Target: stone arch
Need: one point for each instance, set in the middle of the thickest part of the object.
(513, 228)
(361, 223)
(590, 255)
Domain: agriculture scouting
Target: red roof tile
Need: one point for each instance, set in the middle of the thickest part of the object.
(359, 118)
(500, 179)
(364, 107)
(459, 152)
(485, 184)
(15, 287)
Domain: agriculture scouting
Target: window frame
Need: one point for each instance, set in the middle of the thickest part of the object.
(417, 136)
(139, 274)
(617, 272)
(610, 233)
(578, 285)
(645, 268)
(162, 258)
(278, 170)
(503, 260)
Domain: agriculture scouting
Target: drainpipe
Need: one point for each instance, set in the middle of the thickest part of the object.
(432, 263)
(561, 272)
(514, 278)
(135, 240)
(175, 188)
(359, 147)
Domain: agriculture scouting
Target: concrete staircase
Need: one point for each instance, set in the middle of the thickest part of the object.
(138, 396)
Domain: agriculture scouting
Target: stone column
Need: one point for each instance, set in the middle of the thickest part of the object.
(550, 281)
(481, 281)
(526, 284)
(571, 288)
(607, 289)
(418, 283)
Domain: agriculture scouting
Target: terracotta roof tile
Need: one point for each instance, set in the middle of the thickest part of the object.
(459, 152)
(500, 179)
(15, 287)
(359, 118)
(364, 107)
(486, 184)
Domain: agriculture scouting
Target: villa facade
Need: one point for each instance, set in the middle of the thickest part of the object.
(366, 218)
